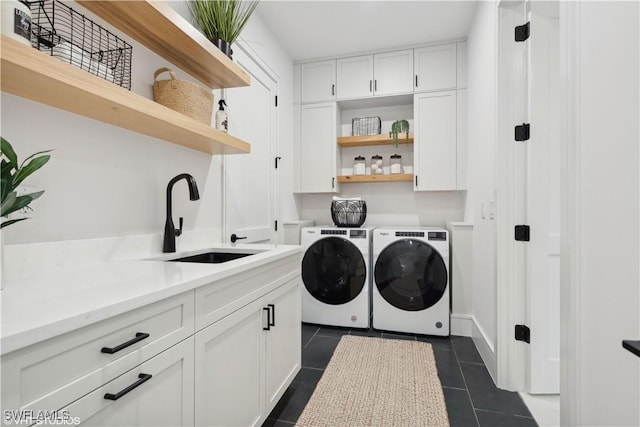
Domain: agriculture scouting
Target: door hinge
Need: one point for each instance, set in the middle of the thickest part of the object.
(276, 100)
(277, 159)
(522, 32)
(522, 233)
(523, 132)
(275, 225)
(523, 333)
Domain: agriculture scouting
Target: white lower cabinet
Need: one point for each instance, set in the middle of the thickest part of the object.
(152, 367)
(282, 343)
(245, 361)
(227, 361)
(49, 375)
(159, 392)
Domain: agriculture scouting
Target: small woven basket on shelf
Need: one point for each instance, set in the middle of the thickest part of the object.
(183, 96)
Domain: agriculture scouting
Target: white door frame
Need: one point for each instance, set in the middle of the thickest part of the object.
(579, 400)
(570, 220)
(511, 355)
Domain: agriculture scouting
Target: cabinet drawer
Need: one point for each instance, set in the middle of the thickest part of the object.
(223, 297)
(53, 373)
(160, 393)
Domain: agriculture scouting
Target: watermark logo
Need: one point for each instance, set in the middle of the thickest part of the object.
(40, 417)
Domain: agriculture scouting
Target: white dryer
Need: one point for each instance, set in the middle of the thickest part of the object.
(411, 280)
(336, 276)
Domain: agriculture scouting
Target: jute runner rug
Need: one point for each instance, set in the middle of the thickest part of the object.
(378, 382)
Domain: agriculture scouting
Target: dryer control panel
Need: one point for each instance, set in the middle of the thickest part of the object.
(358, 234)
(437, 235)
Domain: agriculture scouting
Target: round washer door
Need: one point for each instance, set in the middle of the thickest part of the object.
(411, 275)
(333, 270)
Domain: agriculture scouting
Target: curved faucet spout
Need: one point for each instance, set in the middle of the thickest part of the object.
(170, 232)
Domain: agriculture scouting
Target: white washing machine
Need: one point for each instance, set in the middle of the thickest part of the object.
(336, 276)
(411, 280)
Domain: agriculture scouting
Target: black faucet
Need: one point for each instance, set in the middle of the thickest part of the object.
(170, 232)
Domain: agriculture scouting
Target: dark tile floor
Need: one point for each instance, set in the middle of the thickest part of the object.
(471, 396)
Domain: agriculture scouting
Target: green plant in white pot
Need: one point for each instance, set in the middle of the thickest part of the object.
(12, 175)
(222, 20)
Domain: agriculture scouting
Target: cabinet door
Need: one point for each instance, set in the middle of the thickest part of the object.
(393, 72)
(461, 139)
(318, 81)
(318, 148)
(355, 77)
(435, 141)
(461, 65)
(165, 398)
(435, 68)
(228, 386)
(282, 341)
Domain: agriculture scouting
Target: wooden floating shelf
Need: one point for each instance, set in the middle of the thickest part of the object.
(399, 177)
(163, 30)
(31, 74)
(369, 140)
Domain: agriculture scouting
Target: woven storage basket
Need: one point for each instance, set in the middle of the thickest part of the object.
(185, 97)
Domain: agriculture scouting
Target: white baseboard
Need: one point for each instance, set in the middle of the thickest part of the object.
(461, 325)
(486, 349)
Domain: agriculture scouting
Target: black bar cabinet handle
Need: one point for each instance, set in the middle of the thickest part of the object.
(416, 180)
(333, 182)
(139, 337)
(268, 327)
(143, 379)
(632, 346)
(416, 80)
(333, 89)
(273, 314)
(375, 85)
(370, 86)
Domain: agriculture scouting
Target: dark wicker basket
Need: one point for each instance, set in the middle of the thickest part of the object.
(348, 213)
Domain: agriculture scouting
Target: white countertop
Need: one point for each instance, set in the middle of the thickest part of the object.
(40, 306)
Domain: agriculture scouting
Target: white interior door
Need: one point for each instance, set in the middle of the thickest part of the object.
(250, 184)
(543, 199)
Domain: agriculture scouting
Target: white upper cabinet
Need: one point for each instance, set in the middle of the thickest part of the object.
(318, 158)
(318, 81)
(435, 68)
(435, 145)
(355, 77)
(462, 65)
(393, 72)
(389, 73)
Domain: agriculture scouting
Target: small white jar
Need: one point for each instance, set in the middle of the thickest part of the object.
(359, 167)
(16, 21)
(395, 163)
(376, 165)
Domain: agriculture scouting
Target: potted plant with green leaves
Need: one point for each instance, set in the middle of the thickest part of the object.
(222, 20)
(12, 175)
(399, 127)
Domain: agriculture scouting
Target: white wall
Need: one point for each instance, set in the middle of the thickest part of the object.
(105, 181)
(482, 137)
(601, 278)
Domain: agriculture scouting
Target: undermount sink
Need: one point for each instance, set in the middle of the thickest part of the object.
(212, 257)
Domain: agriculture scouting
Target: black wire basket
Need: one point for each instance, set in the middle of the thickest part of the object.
(348, 213)
(75, 39)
